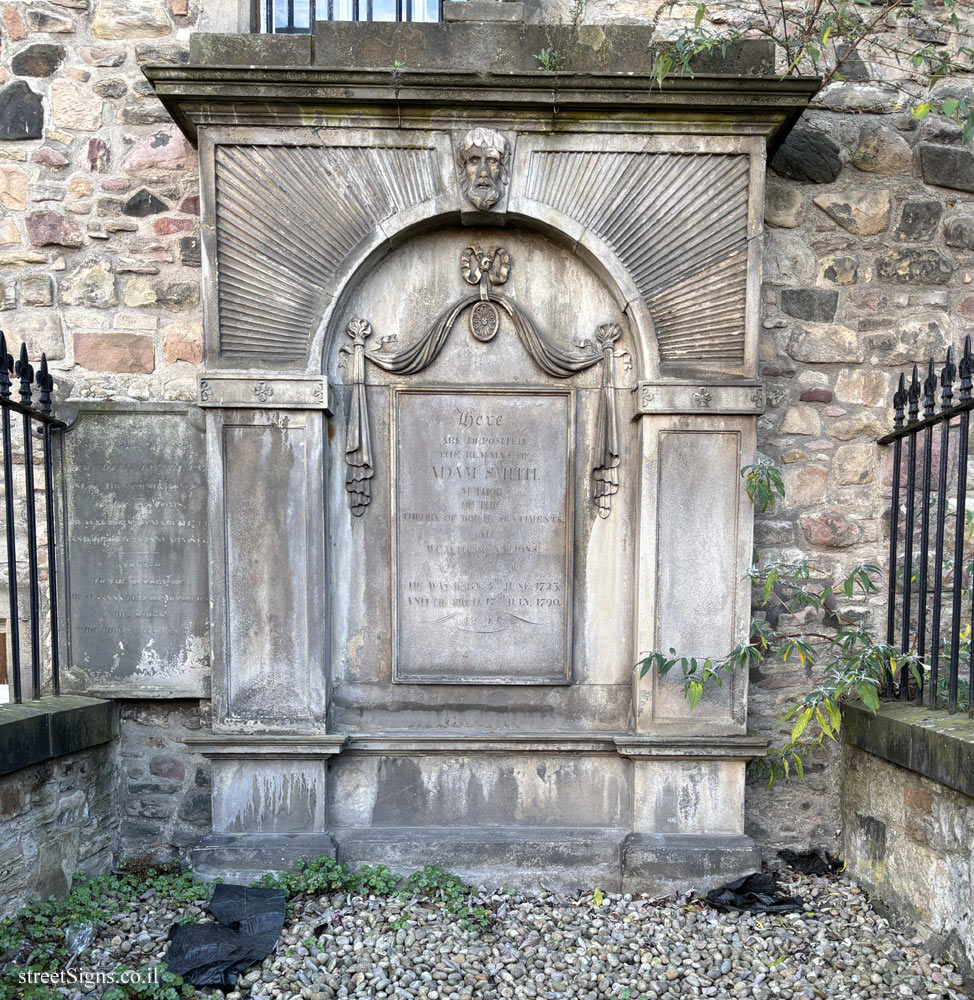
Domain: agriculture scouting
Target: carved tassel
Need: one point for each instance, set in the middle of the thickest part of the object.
(358, 444)
(605, 472)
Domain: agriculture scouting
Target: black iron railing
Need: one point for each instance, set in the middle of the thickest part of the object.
(37, 419)
(921, 580)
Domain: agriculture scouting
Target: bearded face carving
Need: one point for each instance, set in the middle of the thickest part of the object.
(484, 165)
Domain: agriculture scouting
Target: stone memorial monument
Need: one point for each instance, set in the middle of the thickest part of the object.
(480, 377)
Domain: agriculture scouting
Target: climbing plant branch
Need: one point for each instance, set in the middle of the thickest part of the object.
(798, 621)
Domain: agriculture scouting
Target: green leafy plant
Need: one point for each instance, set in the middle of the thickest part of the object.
(550, 60)
(799, 621)
(34, 939)
(911, 45)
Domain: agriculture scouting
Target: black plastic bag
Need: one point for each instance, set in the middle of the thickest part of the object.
(811, 862)
(249, 924)
(757, 893)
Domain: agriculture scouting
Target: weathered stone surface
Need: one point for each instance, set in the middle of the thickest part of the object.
(189, 251)
(856, 426)
(855, 464)
(863, 213)
(178, 295)
(37, 60)
(947, 166)
(864, 387)
(842, 269)
(52, 229)
(13, 22)
(44, 334)
(923, 267)
(137, 293)
(801, 420)
(130, 19)
(788, 259)
(826, 344)
(114, 352)
(80, 187)
(882, 151)
(805, 485)
(9, 233)
(47, 21)
(144, 203)
(48, 156)
(143, 111)
(37, 290)
(830, 530)
(191, 205)
(183, 342)
(168, 226)
(93, 286)
(166, 151)
(111, 88)
(959, 232)
(808, 156)
(784, 207)
(13, 188)
(99, 155)
(21, 113)
(75, 106)
(919, 220)
(817, 395)
(812, 304)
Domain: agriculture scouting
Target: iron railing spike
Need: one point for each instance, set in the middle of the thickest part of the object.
(899, 402)
(947, 380)
(914, 396)
(929, 390)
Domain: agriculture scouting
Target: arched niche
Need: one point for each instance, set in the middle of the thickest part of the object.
(482, 584)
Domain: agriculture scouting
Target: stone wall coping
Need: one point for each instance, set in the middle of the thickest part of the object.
(249, 745)
(260, 95)
(935, 744)
(43, 728)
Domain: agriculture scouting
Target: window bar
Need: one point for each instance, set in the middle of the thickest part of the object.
(6, 367)
(355, 10)
(269, 25)
(45, 384)
(946, 396)
(899, 402)
(25, 372)
(965, 395)
(911, 470)
(398, 10)
(929, 401)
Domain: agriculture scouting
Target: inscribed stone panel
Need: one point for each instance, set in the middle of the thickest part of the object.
(482, 513)
(136, 595)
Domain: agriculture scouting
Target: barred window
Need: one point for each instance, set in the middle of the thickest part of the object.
(295, 17)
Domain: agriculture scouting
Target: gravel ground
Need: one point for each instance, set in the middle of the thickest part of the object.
(553, 947)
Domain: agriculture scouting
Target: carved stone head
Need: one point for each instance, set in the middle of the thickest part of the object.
(484, 164)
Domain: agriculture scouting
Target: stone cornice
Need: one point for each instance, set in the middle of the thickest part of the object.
(306, 96)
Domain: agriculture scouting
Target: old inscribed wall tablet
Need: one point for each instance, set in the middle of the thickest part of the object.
(135, 499)
(482, 500)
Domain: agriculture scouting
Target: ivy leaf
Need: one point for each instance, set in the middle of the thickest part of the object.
(694, 693)
(920, 111)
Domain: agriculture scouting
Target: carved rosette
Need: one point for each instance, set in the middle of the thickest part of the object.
(483, 270)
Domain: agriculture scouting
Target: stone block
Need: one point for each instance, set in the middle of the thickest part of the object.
(209, 48)
(482, 10)
(947, 166)
(959, 232)
(801, 420)
(52, 229)
(861, 212)
(858, 425)
(922, 267)
(831, 529)
(842, 269)
(114, 352)
(36, 290)
(657, 864)
(75, 106)
(38, 60)
(808, 156)
(882, 151)
(48, 22)
(166, 151)
(13, 188)
(826, 344)
(919, 220)
(812, 304)
(131, 19)
(48, 156)
(143, 203)
(805, 486)
(855, 464)
(183, 342)
(21, 113)
(784, 207)
(92, 286)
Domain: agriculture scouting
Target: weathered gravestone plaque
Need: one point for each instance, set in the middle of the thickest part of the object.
(483, 536)
(135, 524)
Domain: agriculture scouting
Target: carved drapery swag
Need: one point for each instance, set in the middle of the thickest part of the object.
(483, 270)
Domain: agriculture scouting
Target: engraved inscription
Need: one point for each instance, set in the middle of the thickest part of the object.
(136, 559)
(483, 525)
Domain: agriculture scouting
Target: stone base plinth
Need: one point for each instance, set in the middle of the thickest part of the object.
(665, 863)
(242, 858)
